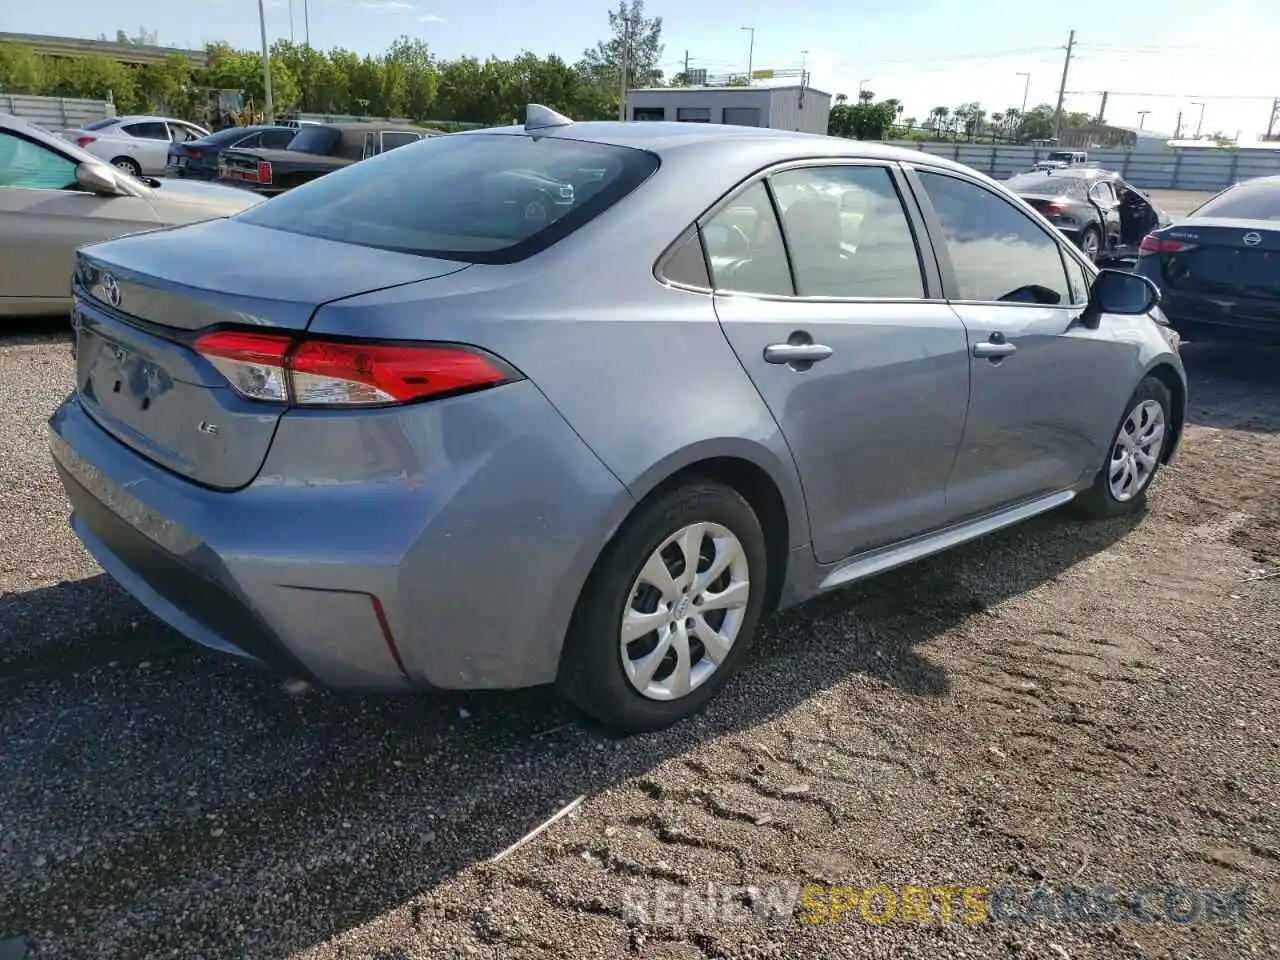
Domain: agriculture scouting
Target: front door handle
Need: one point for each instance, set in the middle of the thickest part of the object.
(796, 352)
(994, 349)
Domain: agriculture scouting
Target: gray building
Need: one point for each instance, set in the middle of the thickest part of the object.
(799, 108)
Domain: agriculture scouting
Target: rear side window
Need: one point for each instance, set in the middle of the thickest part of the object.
(687, 265)
(391, 139)
(277, 139)
(252, 140)
(477, 198)
(1247, 201)
(847, 233)
(320, 140)
(147, 130)
(744, 246)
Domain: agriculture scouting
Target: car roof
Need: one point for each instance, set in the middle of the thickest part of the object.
(366, 126)
(135, 117)
(669, 137)
(1075, 173)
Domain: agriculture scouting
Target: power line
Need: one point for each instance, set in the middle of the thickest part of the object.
(983, 55)
(1171, 96)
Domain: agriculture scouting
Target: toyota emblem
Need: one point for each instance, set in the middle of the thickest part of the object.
(1252, 239)
(110, 290)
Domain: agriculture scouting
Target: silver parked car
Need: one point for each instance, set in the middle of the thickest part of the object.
(409, 426)
(55, 197)
(137, 145)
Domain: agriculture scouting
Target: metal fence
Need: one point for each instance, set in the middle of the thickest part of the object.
(56, 113)
(1196, 169)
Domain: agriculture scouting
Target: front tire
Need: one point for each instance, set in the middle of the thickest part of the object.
(1133, 460)
(669, 611)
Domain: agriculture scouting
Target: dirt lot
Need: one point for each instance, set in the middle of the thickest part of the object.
(1062, 704)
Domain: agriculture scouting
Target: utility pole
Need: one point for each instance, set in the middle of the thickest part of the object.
(1142, 118)
(1177, 130)
(306, 20)
(1102, 109)
(751, 52)
(291, 21)
(686, 68)
(1026, 89)
(269, 112)
(1200, 121)
(1275, 111)
(1062, 88)
(624, 67)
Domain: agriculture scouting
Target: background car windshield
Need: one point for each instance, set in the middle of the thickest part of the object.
(1061, 155)
(1249, 201)
(314, 140)
(1046, 186)
(482, 198)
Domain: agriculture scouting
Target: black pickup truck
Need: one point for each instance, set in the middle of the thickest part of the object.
(313, 152)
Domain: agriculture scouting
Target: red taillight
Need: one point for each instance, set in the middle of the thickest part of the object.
(195, 153)
(84, 141)
(341, 373)
(264, 171)
(1052, 209)
(1151, 244)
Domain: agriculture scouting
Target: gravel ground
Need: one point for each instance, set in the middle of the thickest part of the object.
(1060, 704)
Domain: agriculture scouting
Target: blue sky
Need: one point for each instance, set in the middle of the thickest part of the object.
(1157, 57)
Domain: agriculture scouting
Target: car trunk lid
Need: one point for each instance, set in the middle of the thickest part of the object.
(141, 302)
(1221, 257)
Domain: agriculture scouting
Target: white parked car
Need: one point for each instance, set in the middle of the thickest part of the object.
(138, 145)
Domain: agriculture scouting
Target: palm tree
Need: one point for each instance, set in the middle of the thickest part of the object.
(939, 115)
(865, 96)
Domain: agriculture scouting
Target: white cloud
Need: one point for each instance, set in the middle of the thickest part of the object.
(385, 6)
(430, 18)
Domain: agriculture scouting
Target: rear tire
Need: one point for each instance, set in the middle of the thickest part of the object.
(128, 165)
(1133, 459)
(703, 621)
(1091, 243)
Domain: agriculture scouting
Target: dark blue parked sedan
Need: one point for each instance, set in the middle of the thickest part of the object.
(198, 159)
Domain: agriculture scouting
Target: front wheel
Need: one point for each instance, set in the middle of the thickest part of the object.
(670, 610)
(1134, 458)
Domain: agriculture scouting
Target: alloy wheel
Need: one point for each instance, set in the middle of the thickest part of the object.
(1137, 449)
(685, 610)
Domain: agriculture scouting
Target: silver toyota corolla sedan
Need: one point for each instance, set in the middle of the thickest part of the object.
(55, 197)
(419, 424)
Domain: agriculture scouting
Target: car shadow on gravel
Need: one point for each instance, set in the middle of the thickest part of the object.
(1233, 386)
(162, 799)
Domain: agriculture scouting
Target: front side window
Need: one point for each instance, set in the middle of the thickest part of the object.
(847, 233)
(31, 166)
(1103, 193)
(277, 139)
(317, 140)
(744, 246)
(477, 198)
(999, 254)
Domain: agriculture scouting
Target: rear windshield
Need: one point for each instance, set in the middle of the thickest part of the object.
(1059, 155)
(478, 198)
(1247, 201)
(99, 124)
(319, 140)
(1050, 186)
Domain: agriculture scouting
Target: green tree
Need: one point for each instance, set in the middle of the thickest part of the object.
(639, 36)
(22, 70)
(862, 120)
(167, 86)
(419, 79)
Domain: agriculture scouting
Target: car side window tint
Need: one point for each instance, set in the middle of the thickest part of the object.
(1078, 281)
(28, 165)
(847, 233)
(147, 130)
(744, 246)
(999, 254)
(687, 265)
(277, 139)
(253, 140)
(394, 138)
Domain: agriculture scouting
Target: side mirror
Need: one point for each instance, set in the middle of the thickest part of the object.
(1122, 293)
(98, 178)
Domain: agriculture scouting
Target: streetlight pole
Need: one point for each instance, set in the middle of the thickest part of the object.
(1142, 118)
(751, 52)
(1200, 122)
(269, 111)
(1026, 90)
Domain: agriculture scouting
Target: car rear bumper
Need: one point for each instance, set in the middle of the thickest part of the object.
(1222, 317)
(459, 573)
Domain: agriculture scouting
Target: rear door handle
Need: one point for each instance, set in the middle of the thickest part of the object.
(796, 352)
(993, 350)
